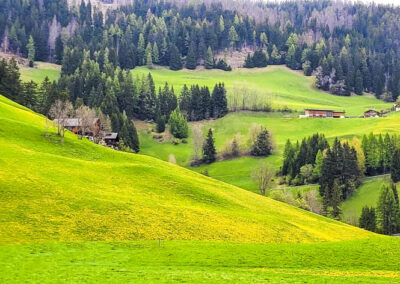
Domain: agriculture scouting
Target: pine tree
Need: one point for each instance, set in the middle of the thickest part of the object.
(155, 55)
(209, 151)
(209, 60)
(336, 200)
(387, 210)
(31, 51)
(191, 58)
(358, 84)
(219, 101)
(175, 61)
(160, 124)
(141, 50)
(395, 166)
(319, 160)
(368, 219)
(59, 50)
(262, 145)
(149, 56)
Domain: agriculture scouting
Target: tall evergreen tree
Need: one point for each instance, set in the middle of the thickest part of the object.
(209, 151)
(175, 61)
(395, 166)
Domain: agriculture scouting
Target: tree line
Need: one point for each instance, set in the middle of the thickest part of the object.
(385, 218)
(351, 50)
(339, 168)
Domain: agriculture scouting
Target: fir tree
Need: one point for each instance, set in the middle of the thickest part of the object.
(368, 219)
(387, 210)
(31, 51)
(209, 60)
(395, 166)
(262, 145)
(209, 151)
(175, 61)
(191, 58)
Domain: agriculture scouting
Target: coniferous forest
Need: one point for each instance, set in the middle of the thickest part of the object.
(350, 48)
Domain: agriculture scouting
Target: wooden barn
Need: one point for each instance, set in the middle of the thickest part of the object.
(75, 125)
(396, 107)
(111, 139)
(324, 113)
(371, 113)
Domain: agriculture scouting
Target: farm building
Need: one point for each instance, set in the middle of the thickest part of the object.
(111, 139)
(323, 113)
(75, 125)
(371, 113)
(397, 106)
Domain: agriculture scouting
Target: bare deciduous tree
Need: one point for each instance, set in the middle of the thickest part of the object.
(263, 174)
(60, 111)
(86, 117)
(198, 141)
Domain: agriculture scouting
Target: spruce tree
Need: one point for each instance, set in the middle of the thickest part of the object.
(336, 200)
(387, 210)
(368, 219)
(262, 145)
(191, 58)
(209, 60)
(31, 51)
(160, 124)
(395, 166)
(175, 61)
(209, 151)
(219, 101)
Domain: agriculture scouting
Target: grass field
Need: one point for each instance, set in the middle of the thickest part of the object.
(366, 195)
(282, 87)
(362, 261)
(238, 171)
(40, 71)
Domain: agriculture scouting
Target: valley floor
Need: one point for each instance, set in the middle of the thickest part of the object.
(373, 260)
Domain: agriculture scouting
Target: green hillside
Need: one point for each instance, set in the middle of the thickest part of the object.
(366, 195)
(238, 171)
(78, 191)
(280, 85)
(65, 206)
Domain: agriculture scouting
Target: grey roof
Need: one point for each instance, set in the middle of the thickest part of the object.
(112, 135)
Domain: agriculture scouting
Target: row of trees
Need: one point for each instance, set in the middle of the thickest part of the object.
(196, 103)
(385, 218)
(351, 50)
(302, 162)
(379, 151)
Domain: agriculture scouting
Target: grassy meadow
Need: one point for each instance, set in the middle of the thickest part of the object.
(279, 85)
(366, 195)
(238, 171)
(40, 71)
(363, 261)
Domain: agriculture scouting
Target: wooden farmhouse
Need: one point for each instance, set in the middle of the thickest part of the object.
(75, 125)
(111, 139)
(323, 113)
(371, 113)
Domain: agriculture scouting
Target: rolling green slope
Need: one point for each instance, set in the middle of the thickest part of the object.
(77, 191)
(282, 87)
(238, 171)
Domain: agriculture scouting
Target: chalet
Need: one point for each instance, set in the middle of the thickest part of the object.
(323, 113)
(75, 125)
(111, 139)
(397, 107)
(371, 113)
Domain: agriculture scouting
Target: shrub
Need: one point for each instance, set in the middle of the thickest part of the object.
(178, 125)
